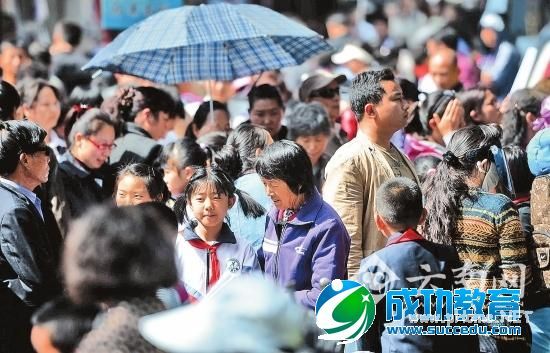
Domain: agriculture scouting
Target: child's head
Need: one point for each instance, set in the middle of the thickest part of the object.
(179, 160)
(59, 325)
(398, 205)
(138, 183)
(209, 195)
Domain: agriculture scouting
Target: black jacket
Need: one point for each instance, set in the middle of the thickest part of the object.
(29, 259)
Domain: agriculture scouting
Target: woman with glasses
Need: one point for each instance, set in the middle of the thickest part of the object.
(79, 183)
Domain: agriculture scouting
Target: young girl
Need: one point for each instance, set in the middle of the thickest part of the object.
(179, 160)
(206, 248)
(138, 183)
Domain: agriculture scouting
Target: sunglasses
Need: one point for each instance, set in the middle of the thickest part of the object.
(326, 92)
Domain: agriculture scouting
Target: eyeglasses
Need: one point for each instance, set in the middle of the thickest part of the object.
(102, 146)
(326, 92)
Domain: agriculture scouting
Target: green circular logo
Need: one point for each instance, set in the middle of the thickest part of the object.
(344, 310)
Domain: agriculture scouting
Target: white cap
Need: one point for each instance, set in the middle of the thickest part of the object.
(351, 52)
(240, 314)
(492, 20)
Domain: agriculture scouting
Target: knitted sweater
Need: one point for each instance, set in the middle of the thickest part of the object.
(491, 244)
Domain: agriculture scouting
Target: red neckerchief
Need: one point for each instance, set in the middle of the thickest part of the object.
(214, 261)
(521, 199)
(408, 235)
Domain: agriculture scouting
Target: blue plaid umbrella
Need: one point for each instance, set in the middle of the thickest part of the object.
(219, 42)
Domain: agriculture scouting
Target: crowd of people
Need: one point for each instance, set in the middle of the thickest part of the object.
(121, 198)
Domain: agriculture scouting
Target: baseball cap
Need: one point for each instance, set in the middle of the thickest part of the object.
(351, 52)
(316, 81)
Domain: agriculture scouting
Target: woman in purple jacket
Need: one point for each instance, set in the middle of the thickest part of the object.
(305, 241)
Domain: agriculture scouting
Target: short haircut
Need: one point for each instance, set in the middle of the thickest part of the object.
(152, 178)
(118, 253)
(399, 202)
(287, 161)
(16, 137)
(70, 31)
(307, 120)
(29, 89)
(264, 91)
(131, 101)
(435, 103)
(89, 124)
(67, 322)
(9, 101)
(366, 88)
(185, 153)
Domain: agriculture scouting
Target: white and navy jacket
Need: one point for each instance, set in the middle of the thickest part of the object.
(236, 256)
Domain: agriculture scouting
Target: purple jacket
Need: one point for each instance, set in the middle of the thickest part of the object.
(312, 246)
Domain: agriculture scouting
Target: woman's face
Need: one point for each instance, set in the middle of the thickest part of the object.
(280, 193)
(45, 110)
(219, 123)
(131, 190)
(268, 114)
(315, 146)
(176, 179)
(94, 150)
(490, 109)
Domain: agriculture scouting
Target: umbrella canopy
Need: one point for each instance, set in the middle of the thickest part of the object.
(218, 42)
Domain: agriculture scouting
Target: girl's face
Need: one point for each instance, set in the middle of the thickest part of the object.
(176, 179)
(219, 123)
(280, 193)
(45, 110)
(210, 207)
(490, 109)
(131, 190)
(93, 151)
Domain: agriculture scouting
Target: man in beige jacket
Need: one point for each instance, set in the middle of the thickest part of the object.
(360, 166)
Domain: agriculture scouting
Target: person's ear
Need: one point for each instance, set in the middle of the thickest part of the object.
(258, 152)
(232, 200)
(187, 173)
(434, 121)
(369, 110)
(78, 138)
(474, 115)
(483, 166)
(530, 118)
(380, 223)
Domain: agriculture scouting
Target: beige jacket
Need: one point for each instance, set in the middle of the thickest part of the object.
(353, 174)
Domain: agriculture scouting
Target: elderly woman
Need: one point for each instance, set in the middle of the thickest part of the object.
(305, 240)
(98, 270)
(90, 141)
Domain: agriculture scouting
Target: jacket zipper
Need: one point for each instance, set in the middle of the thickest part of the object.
(279, 241)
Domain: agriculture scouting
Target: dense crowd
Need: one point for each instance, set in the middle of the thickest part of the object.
(121, 198)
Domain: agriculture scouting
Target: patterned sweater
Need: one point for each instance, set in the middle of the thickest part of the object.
(491, 244)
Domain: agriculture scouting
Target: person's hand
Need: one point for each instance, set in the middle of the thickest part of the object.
(452, 119)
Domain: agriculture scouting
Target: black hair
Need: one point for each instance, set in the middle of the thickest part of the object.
(411, 93)
(89, 124)
(514, 124)
(202, 114)
(447, 187)
(435, 103)
(29, 89)
(164, 212)
(153, 180)
(472, 100)
(9, 101)
(424, 165)
(214, 141)
(287, 161)
(307, 119)
(448, 36)
(66, 322)
(70, 31)
(522, 178)
(399, 202)
(117, 253)
(16, 137)
(185, 153)
(223, 184)
(81, 100)
(131, 101)
(239, 155)
(264, 91)
(366, 88)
